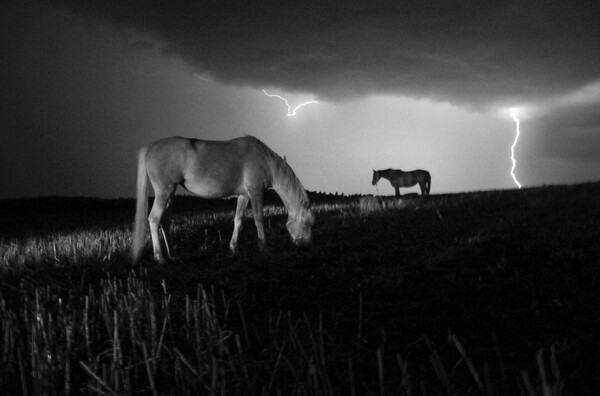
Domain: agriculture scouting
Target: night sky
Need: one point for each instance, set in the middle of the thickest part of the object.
(399, 84)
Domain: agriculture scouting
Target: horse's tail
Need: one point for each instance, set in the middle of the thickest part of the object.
(141, 209)
(428, 176)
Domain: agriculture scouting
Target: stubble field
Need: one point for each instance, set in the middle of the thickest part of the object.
(478, 293)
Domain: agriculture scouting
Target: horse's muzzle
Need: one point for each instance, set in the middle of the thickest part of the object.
(303, 247)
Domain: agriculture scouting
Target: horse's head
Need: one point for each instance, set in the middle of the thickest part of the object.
(299, 225)
(375, 177)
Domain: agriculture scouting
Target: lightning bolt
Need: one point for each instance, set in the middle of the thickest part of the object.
(291, 112)
(513, 114)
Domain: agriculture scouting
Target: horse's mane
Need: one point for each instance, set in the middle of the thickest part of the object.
(388, 170)
(283, 177)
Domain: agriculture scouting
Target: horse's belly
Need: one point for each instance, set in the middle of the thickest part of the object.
(408, 183)
(210, 189)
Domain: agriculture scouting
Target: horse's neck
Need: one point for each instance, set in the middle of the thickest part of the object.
(386, 174)
(394, 173)
(288, 187)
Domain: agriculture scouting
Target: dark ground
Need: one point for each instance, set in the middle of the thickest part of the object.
(507, 272)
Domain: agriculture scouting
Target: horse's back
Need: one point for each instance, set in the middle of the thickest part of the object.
(166, 159)
(401, 178)
(208, 168)
(423, 174)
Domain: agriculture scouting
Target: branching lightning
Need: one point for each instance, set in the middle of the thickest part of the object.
(513, 114)
(291, 111)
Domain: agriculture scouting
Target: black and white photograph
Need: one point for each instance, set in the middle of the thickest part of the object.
(260, 197)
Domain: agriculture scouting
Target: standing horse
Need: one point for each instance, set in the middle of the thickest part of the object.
(216, 169)
(400, 178)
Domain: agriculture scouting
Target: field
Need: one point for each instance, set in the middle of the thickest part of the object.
(494, 293)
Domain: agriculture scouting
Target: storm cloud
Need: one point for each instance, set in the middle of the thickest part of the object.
(469, 53)
(399, 83)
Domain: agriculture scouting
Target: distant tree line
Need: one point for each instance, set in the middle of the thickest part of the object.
(182, 203)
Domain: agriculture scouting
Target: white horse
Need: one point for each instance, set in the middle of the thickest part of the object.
(241, 167)
(400, 178)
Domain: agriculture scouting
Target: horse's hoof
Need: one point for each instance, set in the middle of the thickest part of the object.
(176, 260)
(265, 251)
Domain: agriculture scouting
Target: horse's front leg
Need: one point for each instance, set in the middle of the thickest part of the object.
(397, 192)
(242, 202)
(257, 210)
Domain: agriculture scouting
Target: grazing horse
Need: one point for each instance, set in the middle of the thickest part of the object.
(241, 167)
(400, 178)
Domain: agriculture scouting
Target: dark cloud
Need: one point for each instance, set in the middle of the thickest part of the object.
(571, 132)
(82, 71)
(471, 53)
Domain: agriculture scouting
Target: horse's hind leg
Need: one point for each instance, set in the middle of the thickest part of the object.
(256, 197)
(165, 228)
(242, 202)
(161, 200)
(397, 192)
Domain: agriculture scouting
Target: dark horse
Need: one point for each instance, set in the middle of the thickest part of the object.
(399, 178)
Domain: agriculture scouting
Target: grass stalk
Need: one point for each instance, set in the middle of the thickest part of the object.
(360, 321)
(149, 370)
(97, 378)
(405, 384)
(380, 370)
(468, 361)
(22, 373)
(276, 366)
(440, 371)
(68, 335)
(351, 378)
(528, 384)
